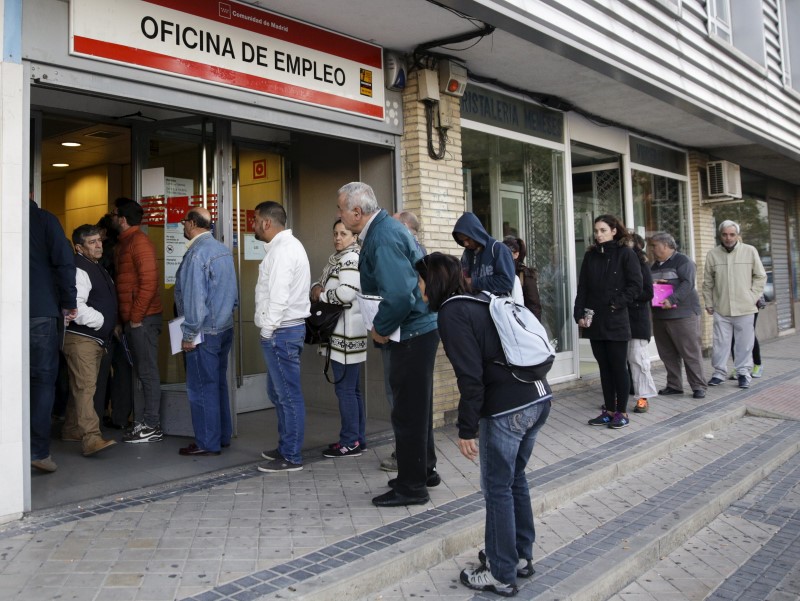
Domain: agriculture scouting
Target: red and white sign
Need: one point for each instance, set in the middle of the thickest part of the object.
(235, 45)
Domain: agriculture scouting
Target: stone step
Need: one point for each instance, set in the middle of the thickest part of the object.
(361, 565)
(749, 552)
(595, 544)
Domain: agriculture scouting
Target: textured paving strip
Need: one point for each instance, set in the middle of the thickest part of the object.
(335, 556)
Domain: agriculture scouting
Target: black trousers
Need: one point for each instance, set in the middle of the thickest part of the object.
(411, 378)
(612, 358)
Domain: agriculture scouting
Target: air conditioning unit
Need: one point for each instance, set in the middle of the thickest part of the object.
(724, 180)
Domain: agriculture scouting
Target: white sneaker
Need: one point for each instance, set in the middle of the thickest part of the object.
(481, 579)
(524, 566)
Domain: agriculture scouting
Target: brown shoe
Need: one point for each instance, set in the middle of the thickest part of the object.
(98, 446)
(45, 465)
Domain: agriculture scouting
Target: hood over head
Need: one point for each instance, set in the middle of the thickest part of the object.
(469, 225)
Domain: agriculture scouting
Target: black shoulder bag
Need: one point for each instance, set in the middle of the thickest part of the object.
(319, 328)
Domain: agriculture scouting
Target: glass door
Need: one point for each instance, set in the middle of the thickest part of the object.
(174, 166)
(596, 190)
(257, 175)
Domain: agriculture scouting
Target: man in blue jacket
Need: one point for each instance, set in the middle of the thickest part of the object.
(205, 295)
(52, 298)
(388, 255)
(487, 263)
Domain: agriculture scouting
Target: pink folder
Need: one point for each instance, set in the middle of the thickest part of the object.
(660, 293)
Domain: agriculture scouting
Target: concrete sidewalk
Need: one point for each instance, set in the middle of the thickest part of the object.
(242, 535)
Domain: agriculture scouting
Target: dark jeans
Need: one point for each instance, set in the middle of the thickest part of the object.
(121, 384)
(351, 403)
(412, 363)
(44, 371)
(144, 347)
(612, 359)
(207, 388)
(505, 446)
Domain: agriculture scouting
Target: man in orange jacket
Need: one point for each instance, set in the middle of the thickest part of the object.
(140, 313)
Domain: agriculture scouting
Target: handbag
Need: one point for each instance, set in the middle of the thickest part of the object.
(322, 321)
(319, 328)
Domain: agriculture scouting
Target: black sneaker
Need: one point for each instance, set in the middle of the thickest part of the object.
(524, 566)
(714, 382)
(743, 383)
(481, 579)
(272, 455)
(340, 450)
(142, 433)
(601, 420)
(280, 465)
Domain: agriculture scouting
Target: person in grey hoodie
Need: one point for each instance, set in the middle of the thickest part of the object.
(488, 264)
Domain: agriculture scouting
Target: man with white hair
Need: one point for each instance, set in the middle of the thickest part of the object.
(733, 281)
(388, 255)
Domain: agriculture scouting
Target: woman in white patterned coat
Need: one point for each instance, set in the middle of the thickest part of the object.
(339, 284)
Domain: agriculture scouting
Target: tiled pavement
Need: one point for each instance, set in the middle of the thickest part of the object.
(241, 534)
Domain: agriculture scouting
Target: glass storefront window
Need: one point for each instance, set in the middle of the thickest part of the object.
(659, 206)
(515, 188)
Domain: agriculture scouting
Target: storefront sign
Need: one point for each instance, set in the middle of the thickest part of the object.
(650, 154)
(233, 44)
(491, 108)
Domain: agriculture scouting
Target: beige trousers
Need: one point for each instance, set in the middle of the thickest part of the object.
(83, 361)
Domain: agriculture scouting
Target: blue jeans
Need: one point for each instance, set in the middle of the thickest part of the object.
(505, 446)
(44, 371)
(207, 387)
(282, 356)
(351, 403)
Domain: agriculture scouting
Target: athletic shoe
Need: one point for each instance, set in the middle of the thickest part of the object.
(641, 406)
(757, 371)
(341, 450)
(601, 420)
(142, 433)
(481, 579)
(743, 383)
(619, 421)
(733, 375)
(272, 455)
(699, 394)
(45, 465)
(714, 382)
(280, 465)
(524, 566)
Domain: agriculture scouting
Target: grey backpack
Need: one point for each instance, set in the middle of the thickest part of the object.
(529, 354)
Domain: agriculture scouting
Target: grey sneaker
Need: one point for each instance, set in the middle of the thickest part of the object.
(280, 465)
(142, 433)
(524, 566)
(481, 579)
(45, 465)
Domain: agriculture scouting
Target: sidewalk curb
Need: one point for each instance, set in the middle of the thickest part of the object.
(610, 574)
(391, 565)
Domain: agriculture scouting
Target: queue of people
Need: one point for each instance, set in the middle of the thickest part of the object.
(377, 259)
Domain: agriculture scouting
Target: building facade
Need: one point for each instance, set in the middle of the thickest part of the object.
(536, 116)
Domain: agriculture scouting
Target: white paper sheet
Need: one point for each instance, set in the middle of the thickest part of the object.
(369, 308)
(176, 335)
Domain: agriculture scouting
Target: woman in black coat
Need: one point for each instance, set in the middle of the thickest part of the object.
(610, 280)
(508, 412)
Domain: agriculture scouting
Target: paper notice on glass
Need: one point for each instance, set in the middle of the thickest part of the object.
(176, 335)
(369, 309)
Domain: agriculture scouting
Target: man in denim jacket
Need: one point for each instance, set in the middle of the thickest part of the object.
(205, 295)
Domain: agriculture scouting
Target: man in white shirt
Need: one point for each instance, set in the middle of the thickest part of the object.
(282, 305)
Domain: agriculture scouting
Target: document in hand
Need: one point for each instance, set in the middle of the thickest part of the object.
(176, 335)
(661, 292)
(369, 309)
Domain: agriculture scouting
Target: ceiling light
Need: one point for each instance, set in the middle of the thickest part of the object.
(71, 144)
(60, 164)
